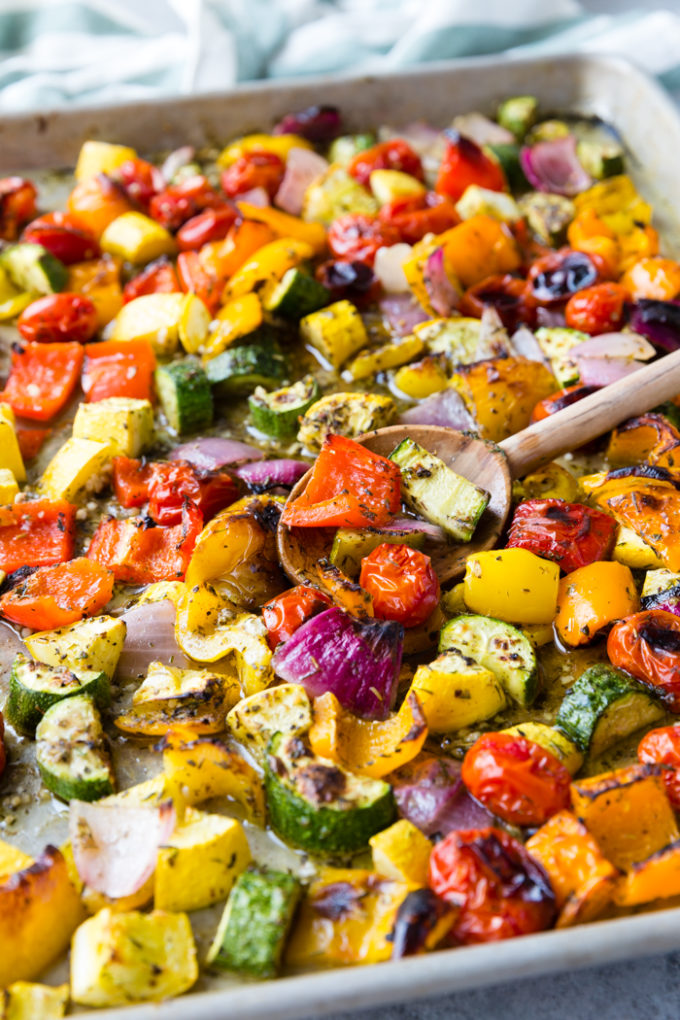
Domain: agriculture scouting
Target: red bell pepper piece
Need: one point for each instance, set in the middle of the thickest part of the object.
(119, 368)
(138, 551)
(209, 225)
(159, 277)
(419, 215)
(571, 534)
(56, 596)
(167, 485)
(283, 614)
(394, 154)
(31, 441)
(42, 378)
(465, 163)
(36, 533)
(131, 479)
(140, 180)
(195, 279)
(349, 487)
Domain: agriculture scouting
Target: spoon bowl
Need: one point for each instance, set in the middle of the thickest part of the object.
(490, 466)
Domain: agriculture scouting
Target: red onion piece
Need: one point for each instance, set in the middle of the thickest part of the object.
(615, 345)
(150, 636)
(214, 452)
(316, 124)
(419, 135)
(550, 317)
(256, 196)
(603, 371)
(388, 268)
(430, 793)
(358, 660)
(402, 312)
(176, 160)
(262, 475)
(406, 525)
(115, 845)
(302, 167)
(525, 345)
(554, 167)
(482, 130)
(445, 408)
(659, 321)
(444, 295)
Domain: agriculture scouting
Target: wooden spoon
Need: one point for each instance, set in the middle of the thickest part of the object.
(493, 467)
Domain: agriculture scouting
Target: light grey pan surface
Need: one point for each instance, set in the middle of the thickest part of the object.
(649, 124)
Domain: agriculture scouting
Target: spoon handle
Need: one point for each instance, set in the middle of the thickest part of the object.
(589, 418)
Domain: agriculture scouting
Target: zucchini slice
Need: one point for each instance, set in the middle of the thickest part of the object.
(71, 753)
(350, 545)
(604, 706)
(185, 395)
(34, 687)
(277, 413)
(497, 646)
(254, 927)
(33, 268)
(238, 370)
(437, 493)
(298, 294)
(319, 807)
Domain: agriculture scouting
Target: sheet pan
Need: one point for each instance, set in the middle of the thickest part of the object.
(650, 126)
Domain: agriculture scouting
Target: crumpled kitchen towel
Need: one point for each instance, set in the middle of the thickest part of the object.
(67, 52)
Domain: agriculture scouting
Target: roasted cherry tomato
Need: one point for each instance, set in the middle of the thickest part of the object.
(509, 295)
(209, 225)
(140, 180)
(597, 309)
(357, 237)
(178, 203)
(500, 889)
(59, 317)
(662, 747)
(159, 277)
(647, 645)
(62, 235)
(395, 154)
(17, 205)
(419, 215)
(557, 276)
(253, 170)
(3, 756)
(286, 612)
(401, 582)
(571, 534)
(195, 279)
(557, 401)
(515, 778)
(465, 163)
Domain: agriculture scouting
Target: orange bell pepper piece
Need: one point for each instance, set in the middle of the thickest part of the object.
(479, 247)
(591, 597)
(242, 241)
(650, 437)
(585, 225)
(640, 243)
(653, 278)
(56, 596)
(367, 747)
(581, 876)
(650, 508)
(501, 393)
(285, 225)
(42, 378)
(119, 368)
(36, 533)
(344, 592)
(97, 202)
(98, 279)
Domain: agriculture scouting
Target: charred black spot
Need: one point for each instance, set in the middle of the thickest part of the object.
(416, 919)
(659, 639)
(338, 900)
(320, 784)
(16, 578)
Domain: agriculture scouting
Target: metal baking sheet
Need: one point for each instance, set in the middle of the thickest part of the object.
(607, 87)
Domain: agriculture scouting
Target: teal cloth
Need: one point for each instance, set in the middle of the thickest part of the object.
(67, 52)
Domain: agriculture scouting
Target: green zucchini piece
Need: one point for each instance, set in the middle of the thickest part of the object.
(185, 395)
(507, 154)
(518, 114)
(319, 807)
(350, 545)
(238, 370)
(34, 687)
(344, 149)
(556, 343)
(604, 706)
(277, 413)
(547, 131)
(497, 646)
(298, 294)
(34, 268)
(600, 159)
(435, 492)
(254, 926)
(71, 751)
(548, 215)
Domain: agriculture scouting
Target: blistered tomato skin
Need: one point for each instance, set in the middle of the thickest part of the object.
(356, 237)
(557, 276)
(598, 309)
(402, 584)
(141, 181)
(209, 225)
(662, 747)
(500, 889)
(647, 645)
(419, 215)
(516, 779)
(62, 235)
(59, 317)
(284, 613)
(395, 154)
(508, 294)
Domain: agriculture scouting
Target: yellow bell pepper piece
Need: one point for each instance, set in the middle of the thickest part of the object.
(366, 747)
(10, 453)
(402, 852)
(633, 551)
(12, 859)
(101, 158)
(285, 225)
(267, 266)
(422, 378)
(76, 464)
(389, 185)
(194, 323)
(379, 359)
(236, 319)
(233, 536)
(161, 590)
(617, 203)
(280, 145)
(9, 487)
(455, 694)
(513, 585)
(592, 597)
(453, 601)
(137, 238)
(152, 317)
